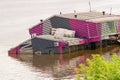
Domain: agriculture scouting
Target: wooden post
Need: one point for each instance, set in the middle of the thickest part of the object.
(101, 46)
(69, 49)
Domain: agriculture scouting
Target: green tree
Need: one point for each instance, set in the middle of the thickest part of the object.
(99, 69)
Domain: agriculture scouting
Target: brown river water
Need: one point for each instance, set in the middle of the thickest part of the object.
(48, 67)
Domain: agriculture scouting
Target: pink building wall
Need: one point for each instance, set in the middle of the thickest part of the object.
(61, 45)
(94, 29)
(119, 26)
(89, 30)
(80, 27)
(82, 41)
(94, 39)
(36, 29)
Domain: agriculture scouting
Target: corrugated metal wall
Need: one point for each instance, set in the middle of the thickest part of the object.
(59, 22)
(109, 28)
(94, 29)
(44, 45)
(119, 27)
(80, 27)
(46, 27)
(38, 29)
(86, 29)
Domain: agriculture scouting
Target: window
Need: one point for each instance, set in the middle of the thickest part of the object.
(55, 43)
(33, 35)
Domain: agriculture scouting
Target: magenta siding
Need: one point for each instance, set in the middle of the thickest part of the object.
(119, 26)
(36, 29)
(93, 30)
(89, 30)
(82, 41)
(90, 40)
(94, 39)
(14, 50)
(61, 45)
(80, 27)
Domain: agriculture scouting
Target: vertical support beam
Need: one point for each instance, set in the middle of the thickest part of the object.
(61, 51)
(33, 53)
(101, 47)
(69, 49)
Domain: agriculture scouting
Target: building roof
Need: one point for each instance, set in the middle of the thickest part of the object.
(92, 16)
(71, 41)
(105, 19)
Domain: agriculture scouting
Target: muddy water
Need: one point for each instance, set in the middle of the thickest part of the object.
(48, 67)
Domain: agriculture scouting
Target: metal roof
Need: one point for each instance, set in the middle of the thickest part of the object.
(105, 19)
(92, 16)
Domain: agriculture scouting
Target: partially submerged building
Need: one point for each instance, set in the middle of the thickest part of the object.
(67, 32)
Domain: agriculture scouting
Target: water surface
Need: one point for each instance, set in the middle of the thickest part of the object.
(48, 67)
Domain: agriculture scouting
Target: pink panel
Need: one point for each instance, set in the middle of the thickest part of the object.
(82, 41)
(85, 29)
(62, 60)
(89, 30)
(119, 27)
(90, 40)
(37, 29)
(14, 50)
(80, 27)
(94, 29)
(61, 45)
(94, 39)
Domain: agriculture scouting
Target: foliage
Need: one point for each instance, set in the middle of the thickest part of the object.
(99, 69)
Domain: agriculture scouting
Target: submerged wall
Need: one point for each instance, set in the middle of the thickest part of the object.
(44, 46)
(118, 27)
(25, 46)
(15, 50)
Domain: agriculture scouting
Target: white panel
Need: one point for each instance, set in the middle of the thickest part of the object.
(46, 27)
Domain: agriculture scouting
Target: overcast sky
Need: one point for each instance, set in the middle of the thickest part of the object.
(17, 16)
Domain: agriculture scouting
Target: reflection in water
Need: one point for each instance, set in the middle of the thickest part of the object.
(62, 65)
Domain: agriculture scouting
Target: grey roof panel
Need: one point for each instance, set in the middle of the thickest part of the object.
(91, 16)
